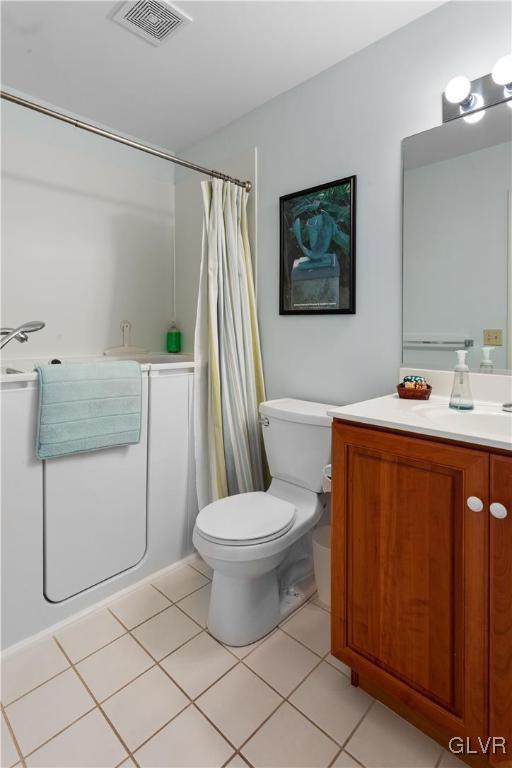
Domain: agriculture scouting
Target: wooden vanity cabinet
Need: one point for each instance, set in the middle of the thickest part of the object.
(422, 583)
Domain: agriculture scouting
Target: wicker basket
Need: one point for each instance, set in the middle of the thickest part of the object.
(413, 394)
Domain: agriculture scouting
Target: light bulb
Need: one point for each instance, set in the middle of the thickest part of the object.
(502, 71)
(474, 117)
(458, 90)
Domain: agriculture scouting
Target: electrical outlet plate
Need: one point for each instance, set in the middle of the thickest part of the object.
(493, 337)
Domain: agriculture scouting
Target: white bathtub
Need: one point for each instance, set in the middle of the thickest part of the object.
(77, 529)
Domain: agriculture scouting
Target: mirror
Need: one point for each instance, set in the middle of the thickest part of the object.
(457, 242)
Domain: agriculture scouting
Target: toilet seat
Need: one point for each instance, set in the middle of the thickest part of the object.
(245, 519)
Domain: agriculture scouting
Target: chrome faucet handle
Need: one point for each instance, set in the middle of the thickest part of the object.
(507, 407)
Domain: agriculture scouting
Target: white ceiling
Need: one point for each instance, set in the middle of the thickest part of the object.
(232, 58)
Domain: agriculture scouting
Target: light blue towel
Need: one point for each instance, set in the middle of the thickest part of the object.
(87, 406)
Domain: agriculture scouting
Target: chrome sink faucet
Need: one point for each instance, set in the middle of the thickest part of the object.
(20, 333)
(507, 407)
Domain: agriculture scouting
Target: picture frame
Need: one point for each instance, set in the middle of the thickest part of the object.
(318, 249)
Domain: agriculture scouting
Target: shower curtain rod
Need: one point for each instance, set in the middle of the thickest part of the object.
(247, 185)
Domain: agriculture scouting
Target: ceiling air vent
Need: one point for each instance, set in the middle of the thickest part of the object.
(153, 21)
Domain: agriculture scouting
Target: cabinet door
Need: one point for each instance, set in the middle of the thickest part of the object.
(410, 574)
(501, 606)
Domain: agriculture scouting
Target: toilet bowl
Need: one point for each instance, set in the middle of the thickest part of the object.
(258, 544)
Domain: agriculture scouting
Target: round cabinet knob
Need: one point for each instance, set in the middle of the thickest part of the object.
(475, 504)
(498, 510)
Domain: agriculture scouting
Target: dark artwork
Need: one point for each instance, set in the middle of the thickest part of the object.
(318, 250)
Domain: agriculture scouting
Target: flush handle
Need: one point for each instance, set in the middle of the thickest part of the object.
(498, 510)
(475, 504)
(263, 420)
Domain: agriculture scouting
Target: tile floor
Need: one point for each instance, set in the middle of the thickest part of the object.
(141, 683)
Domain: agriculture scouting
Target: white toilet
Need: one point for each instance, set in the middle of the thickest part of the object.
(259, 544)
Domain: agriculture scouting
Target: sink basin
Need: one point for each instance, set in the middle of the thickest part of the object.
(487, 421)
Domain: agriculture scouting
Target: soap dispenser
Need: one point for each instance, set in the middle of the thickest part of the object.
(486, 364)
(461, 398)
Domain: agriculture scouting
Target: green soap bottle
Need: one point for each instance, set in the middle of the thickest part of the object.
(174, 339)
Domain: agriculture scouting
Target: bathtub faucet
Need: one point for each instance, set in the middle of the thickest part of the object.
(20, 333)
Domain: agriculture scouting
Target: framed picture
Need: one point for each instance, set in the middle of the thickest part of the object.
(318, 250)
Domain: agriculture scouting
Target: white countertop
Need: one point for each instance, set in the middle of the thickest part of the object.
(486, 425)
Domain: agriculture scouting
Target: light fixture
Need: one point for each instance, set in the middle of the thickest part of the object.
(470, 99)
(502, 72)
(458, 91)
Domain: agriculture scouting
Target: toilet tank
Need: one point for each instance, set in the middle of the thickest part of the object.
(297, 436)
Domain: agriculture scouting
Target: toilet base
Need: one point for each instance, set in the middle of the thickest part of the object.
(243, 609)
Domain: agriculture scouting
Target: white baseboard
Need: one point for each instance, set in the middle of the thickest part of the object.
(49, 631)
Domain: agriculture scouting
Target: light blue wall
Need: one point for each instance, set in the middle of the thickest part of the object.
(351, 119)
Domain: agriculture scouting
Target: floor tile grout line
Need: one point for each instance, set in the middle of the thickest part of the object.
(172, 602)
(101, 702)
(285, 697)
(54, 736)
(338, 753)
(100, 648)
(355, 728)
(127, 631)
(158, 589)
(295, 612)
(131, 630)
(303, 644)
(187, 695)
(317, 605)
(199, 571)
(241, 658)
(260, 726)
(83, 658)
(136, 626)
(157, 661)
(354, 758)
(194, 700)
(14, 739)
(273, 631)
(216, 727)
(202, 574)
(94, 698)
(237, 660)
(191, 700)
(286, 701)
(240, 661)
(178, 606)
(160, 728)
(39, 685)
(304, 715)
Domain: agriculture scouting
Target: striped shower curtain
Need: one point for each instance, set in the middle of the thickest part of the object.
(228, 383)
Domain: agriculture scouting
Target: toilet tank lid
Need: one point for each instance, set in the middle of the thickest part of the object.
(300, 411)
